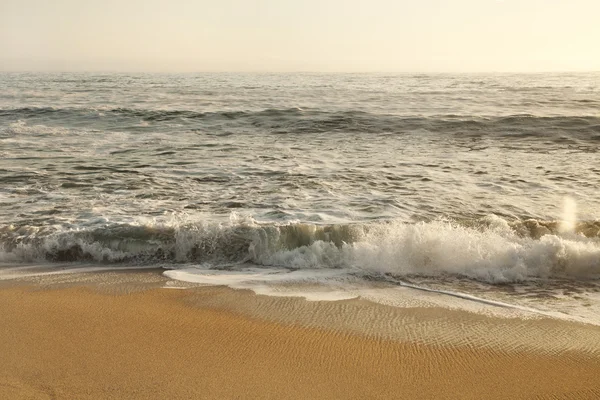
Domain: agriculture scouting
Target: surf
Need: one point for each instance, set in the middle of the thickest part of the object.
(490, 249)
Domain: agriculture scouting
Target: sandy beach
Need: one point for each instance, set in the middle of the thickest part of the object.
(124, 341)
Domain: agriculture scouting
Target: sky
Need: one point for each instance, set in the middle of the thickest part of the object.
(301, 35)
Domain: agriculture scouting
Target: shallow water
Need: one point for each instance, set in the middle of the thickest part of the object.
(490, 179)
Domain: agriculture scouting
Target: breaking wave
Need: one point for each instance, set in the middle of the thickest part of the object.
(490, 249)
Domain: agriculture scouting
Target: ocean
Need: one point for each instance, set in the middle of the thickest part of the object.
(475, 191)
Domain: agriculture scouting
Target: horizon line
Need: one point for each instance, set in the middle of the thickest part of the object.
(282, 72)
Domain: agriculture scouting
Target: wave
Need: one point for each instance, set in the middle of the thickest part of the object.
(490, 249)
(296, 120)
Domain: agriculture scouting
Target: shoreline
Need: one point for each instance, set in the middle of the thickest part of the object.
(102, 335)
(545, 333)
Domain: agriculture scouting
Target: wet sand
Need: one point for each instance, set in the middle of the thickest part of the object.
(89, 342)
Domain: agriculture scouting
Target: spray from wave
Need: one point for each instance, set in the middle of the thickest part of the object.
(568, 224)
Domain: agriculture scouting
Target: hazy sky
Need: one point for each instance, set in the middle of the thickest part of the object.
(301, 35)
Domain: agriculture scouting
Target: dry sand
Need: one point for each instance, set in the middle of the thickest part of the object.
(82, 342)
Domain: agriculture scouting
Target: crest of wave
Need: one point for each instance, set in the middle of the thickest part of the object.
(492, 253)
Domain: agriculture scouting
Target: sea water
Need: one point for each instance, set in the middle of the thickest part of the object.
(464, 188)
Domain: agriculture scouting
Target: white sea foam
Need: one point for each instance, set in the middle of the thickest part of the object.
(495, 255)
(312, 285)
(21, 127)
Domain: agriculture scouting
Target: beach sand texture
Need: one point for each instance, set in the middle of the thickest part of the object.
(86, 342)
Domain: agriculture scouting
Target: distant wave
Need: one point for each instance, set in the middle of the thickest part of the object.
(296, 120)
(490, 249)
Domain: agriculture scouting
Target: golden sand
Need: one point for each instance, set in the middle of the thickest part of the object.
(82, 343)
